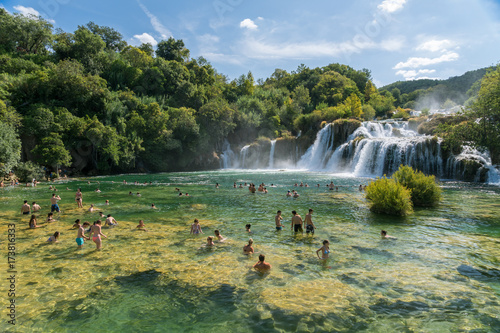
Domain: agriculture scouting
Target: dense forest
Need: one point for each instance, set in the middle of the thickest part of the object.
(87, 102)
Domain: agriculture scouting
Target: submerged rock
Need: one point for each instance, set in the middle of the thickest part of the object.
(399, 307)
(479, 274)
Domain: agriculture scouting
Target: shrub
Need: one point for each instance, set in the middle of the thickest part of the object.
(389, 197)
(424, 190)
(26, 171)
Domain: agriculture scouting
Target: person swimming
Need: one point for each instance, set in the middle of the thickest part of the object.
(141, 226)
(54, 237)
(210, 241)
(248, 249)
(219, 236)
(384, 235)
(262, 266)
(247, 227)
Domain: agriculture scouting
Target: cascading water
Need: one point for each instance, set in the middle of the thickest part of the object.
(317, 154)
(271, 154)
(226, 156)
(374, 149)
(243, 155)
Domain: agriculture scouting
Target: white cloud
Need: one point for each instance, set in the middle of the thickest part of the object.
(223, 58)
(391, 6)
(392, 44)
(160, 28)
(248, 24)
(412, 74)
(146, 38)
(208, 43)
(435, 45)
(26, 11)
(415, 62)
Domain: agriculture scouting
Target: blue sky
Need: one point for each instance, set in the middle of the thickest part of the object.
(395, 39)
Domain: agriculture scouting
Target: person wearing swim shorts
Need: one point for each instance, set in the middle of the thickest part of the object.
(80, 237)
(53, 201)
(25, 208)
(277, 219)
(111, 221)
(309, 223)
(96, 237)
(297, 222)
(325, 250)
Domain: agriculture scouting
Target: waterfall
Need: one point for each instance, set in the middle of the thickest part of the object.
(316, 155)
(243, 156)
(226, 156)
(374, 149)
(271, 154)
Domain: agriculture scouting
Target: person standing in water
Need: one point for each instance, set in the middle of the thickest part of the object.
(25, 208)
(80, 236)
(79, 198)
(309, 223)
(53, 201)
(196, 228)
(96, 237)
(325, 250)
(262, 266)
(297, 222)
(277, 219)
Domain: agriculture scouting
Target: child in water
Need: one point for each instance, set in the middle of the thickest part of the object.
(210, 241)
(54, 237)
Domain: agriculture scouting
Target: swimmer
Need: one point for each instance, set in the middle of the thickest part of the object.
(36, 207)
(289, 193)
(325, 250)
(210, 241)
(91, 209)
(234, 185)
(180, 194)
(196, 228)
(25, 208)
(241, 185)
(107, 202)
(54, 237)
(101, 214)
(153, 206)
(296, 222)
(216, 185)
(80, 236)
(50, 217)
(53, 201)
(32, 223)
(384, 235)
(77, 224)
(248, 249)
(277, 219)
(130, 193)
(141, 226)
(360, 187)
(309, 223)
(138, 194)
(110, 221)
(97, 190)
(219, 236)
(295, 194)
(247, 227)
(261, 265)
(96, 237)
(265, 189)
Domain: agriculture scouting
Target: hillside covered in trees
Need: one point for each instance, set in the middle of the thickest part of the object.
(89, 102)
(432, 94)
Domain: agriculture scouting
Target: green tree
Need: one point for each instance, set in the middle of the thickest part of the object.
(172, 49)
(52, 152)
(112, 38)
(10, 147)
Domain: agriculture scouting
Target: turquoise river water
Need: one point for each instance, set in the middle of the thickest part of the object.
(441, 274)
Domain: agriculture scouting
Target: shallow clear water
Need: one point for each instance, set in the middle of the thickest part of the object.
(442, 274)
